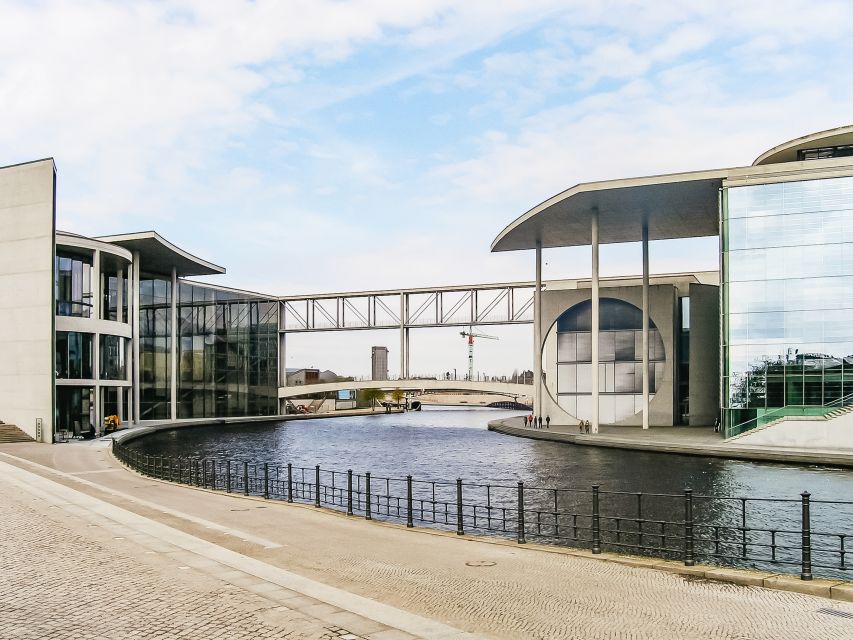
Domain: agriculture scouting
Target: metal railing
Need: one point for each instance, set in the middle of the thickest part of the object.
(788, 411)
(776, 534)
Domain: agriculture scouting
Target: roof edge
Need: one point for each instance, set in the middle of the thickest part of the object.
(142, 235)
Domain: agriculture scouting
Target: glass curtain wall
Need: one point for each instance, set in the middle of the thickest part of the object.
(74, 410)
(787, 299)
(73, 285)
(155, 299)
(620, 368)
(109, 306)
(112, 353)
(74, 355)
(228, 353)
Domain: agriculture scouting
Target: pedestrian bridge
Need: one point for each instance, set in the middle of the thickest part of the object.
(510, 389)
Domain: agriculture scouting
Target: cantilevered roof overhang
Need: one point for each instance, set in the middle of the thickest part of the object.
(677, 205)
(158, 255)
(788, 151)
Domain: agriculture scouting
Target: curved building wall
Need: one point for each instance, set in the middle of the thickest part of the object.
(663, 314)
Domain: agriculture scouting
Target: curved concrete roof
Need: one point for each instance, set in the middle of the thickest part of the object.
(787, 151)
(158, 255)
(676, 205)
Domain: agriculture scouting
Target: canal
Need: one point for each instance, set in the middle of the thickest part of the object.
(439, 445)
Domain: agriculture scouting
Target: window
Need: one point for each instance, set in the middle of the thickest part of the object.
(112, 353)
(74, 355)
(73, 286)
(620, 359)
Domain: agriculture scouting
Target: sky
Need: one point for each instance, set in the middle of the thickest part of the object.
(325, 145)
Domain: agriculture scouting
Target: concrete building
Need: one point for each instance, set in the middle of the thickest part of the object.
(765, 338)
(379, 363)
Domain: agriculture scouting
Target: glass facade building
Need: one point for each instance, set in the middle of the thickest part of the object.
(787, 299)
(155, 364)
(227, 353)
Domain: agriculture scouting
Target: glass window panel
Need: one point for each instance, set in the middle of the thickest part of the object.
(623, 377)
(624, 346)
(584, 347)
(606, 347)
(566, 347)
(584, 379)
(566, 378)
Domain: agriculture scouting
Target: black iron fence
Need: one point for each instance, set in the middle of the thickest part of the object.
(786, 535)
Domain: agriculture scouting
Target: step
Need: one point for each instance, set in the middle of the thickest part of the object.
(11, 433)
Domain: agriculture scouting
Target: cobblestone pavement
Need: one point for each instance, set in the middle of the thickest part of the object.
(525, 593)
(58, 582)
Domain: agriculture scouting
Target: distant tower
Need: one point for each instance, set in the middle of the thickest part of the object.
(379, 363)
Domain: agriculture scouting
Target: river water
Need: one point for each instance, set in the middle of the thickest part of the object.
(443, 444)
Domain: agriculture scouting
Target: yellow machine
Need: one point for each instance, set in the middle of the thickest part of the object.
(111, 423)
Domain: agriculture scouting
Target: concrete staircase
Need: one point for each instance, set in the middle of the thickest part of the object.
(11, 433)
(835, 413)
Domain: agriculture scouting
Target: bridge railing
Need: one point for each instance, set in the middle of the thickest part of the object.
(794, 535)
(443, 376)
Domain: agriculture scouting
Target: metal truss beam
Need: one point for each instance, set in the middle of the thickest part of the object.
(456, 306)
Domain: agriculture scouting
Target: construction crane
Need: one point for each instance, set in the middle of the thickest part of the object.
(471, 335)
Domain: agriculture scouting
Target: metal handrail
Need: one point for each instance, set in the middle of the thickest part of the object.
(762, 532)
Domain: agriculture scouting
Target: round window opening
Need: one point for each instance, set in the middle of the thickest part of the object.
(620, 355)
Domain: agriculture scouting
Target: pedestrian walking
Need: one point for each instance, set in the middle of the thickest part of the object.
(586, 426)
(547, 422)
(530, 420)
(580, 426)
(540, 421)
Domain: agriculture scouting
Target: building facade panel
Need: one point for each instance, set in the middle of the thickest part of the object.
(27, 228)
(788, 299)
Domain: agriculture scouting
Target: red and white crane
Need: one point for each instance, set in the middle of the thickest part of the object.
(471, 335)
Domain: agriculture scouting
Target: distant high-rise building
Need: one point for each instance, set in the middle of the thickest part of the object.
(379, 363)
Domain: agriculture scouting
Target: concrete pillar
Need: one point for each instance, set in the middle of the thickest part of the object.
(645, 325)
(537, 334)
(120, 318)
(402, 335)
(408, 352)
(134, 323)
(173, 355)
(97, 296)
(595, 295)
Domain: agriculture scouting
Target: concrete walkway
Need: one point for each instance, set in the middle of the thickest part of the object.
(697, 441)
(320, 574)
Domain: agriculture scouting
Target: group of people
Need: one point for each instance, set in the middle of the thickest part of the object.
(583, 426)
(535, 422)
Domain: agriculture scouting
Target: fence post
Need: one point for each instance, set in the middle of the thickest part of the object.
(596, 523)
(689, 559)
(197, 474)
(367, 515)
(266, 481)
(806, 573)
(290, 482)
(228, 476)
(245, 478)
(204, 473)
(460, 528)
(317, 486)
(349, 492)
(521, 531)
(213, 474)
(409, 522)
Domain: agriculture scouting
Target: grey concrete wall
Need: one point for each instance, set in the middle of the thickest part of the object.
(27, 226)
(704, 354)
(662, 312)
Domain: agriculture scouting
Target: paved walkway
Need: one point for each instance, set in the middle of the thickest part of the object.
(90, 549)
(700, 441)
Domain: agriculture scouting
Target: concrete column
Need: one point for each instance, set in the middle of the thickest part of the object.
(595, 295)
(173, 378)
(402, 335)
(97, 293)
(537, 334)
(134, 323)
(645, 325)
(408, 352)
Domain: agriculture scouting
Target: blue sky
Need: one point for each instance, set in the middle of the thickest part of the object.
(325, 145)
